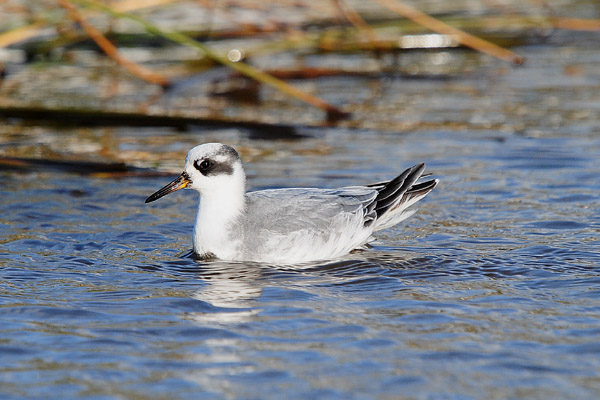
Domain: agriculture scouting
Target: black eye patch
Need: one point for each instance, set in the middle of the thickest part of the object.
(203, 165)
(208, 167)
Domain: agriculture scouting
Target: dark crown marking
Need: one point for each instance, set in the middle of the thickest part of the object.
(228, 151)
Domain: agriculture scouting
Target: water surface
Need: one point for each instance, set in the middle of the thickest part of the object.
(490, 291)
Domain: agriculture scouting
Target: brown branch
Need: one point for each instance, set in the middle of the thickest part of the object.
(462, 37)
(110, 49)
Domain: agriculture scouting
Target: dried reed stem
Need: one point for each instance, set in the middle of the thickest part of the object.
(332, 111)
(357, 21)
(110, 49)
(19, 34)
(576, 24)
(462, 37)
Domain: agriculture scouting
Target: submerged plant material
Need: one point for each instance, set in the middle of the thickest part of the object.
(65, 117)
(95, 169)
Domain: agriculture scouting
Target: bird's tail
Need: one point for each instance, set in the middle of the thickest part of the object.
(395, 197)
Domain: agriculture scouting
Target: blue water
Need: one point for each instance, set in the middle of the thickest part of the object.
(490, 291)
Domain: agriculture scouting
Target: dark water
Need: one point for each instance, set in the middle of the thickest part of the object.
(490, 291)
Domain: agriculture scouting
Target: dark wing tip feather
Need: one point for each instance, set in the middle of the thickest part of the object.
(401, 183)
(404, 183)
(423, 187)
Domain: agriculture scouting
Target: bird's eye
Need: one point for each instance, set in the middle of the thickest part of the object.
(203, 165)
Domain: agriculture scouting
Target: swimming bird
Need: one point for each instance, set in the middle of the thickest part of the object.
(288, 225)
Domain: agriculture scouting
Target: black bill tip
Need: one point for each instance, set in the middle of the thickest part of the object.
(181, 182)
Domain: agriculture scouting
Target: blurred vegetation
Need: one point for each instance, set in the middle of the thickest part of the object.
(251, 63)
(46, 28)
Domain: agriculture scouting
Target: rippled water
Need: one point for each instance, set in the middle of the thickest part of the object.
(489, 291)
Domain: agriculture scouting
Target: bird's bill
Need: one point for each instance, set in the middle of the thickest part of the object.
(181, 182)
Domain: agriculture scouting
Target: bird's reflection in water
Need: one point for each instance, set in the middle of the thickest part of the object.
(234, 290)
(231, 285)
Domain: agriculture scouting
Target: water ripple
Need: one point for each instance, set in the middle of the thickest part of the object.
(490, 291)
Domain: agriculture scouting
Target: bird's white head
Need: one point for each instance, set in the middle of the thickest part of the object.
(209, 168)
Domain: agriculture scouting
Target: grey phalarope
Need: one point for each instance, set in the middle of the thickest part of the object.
(289, 225)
